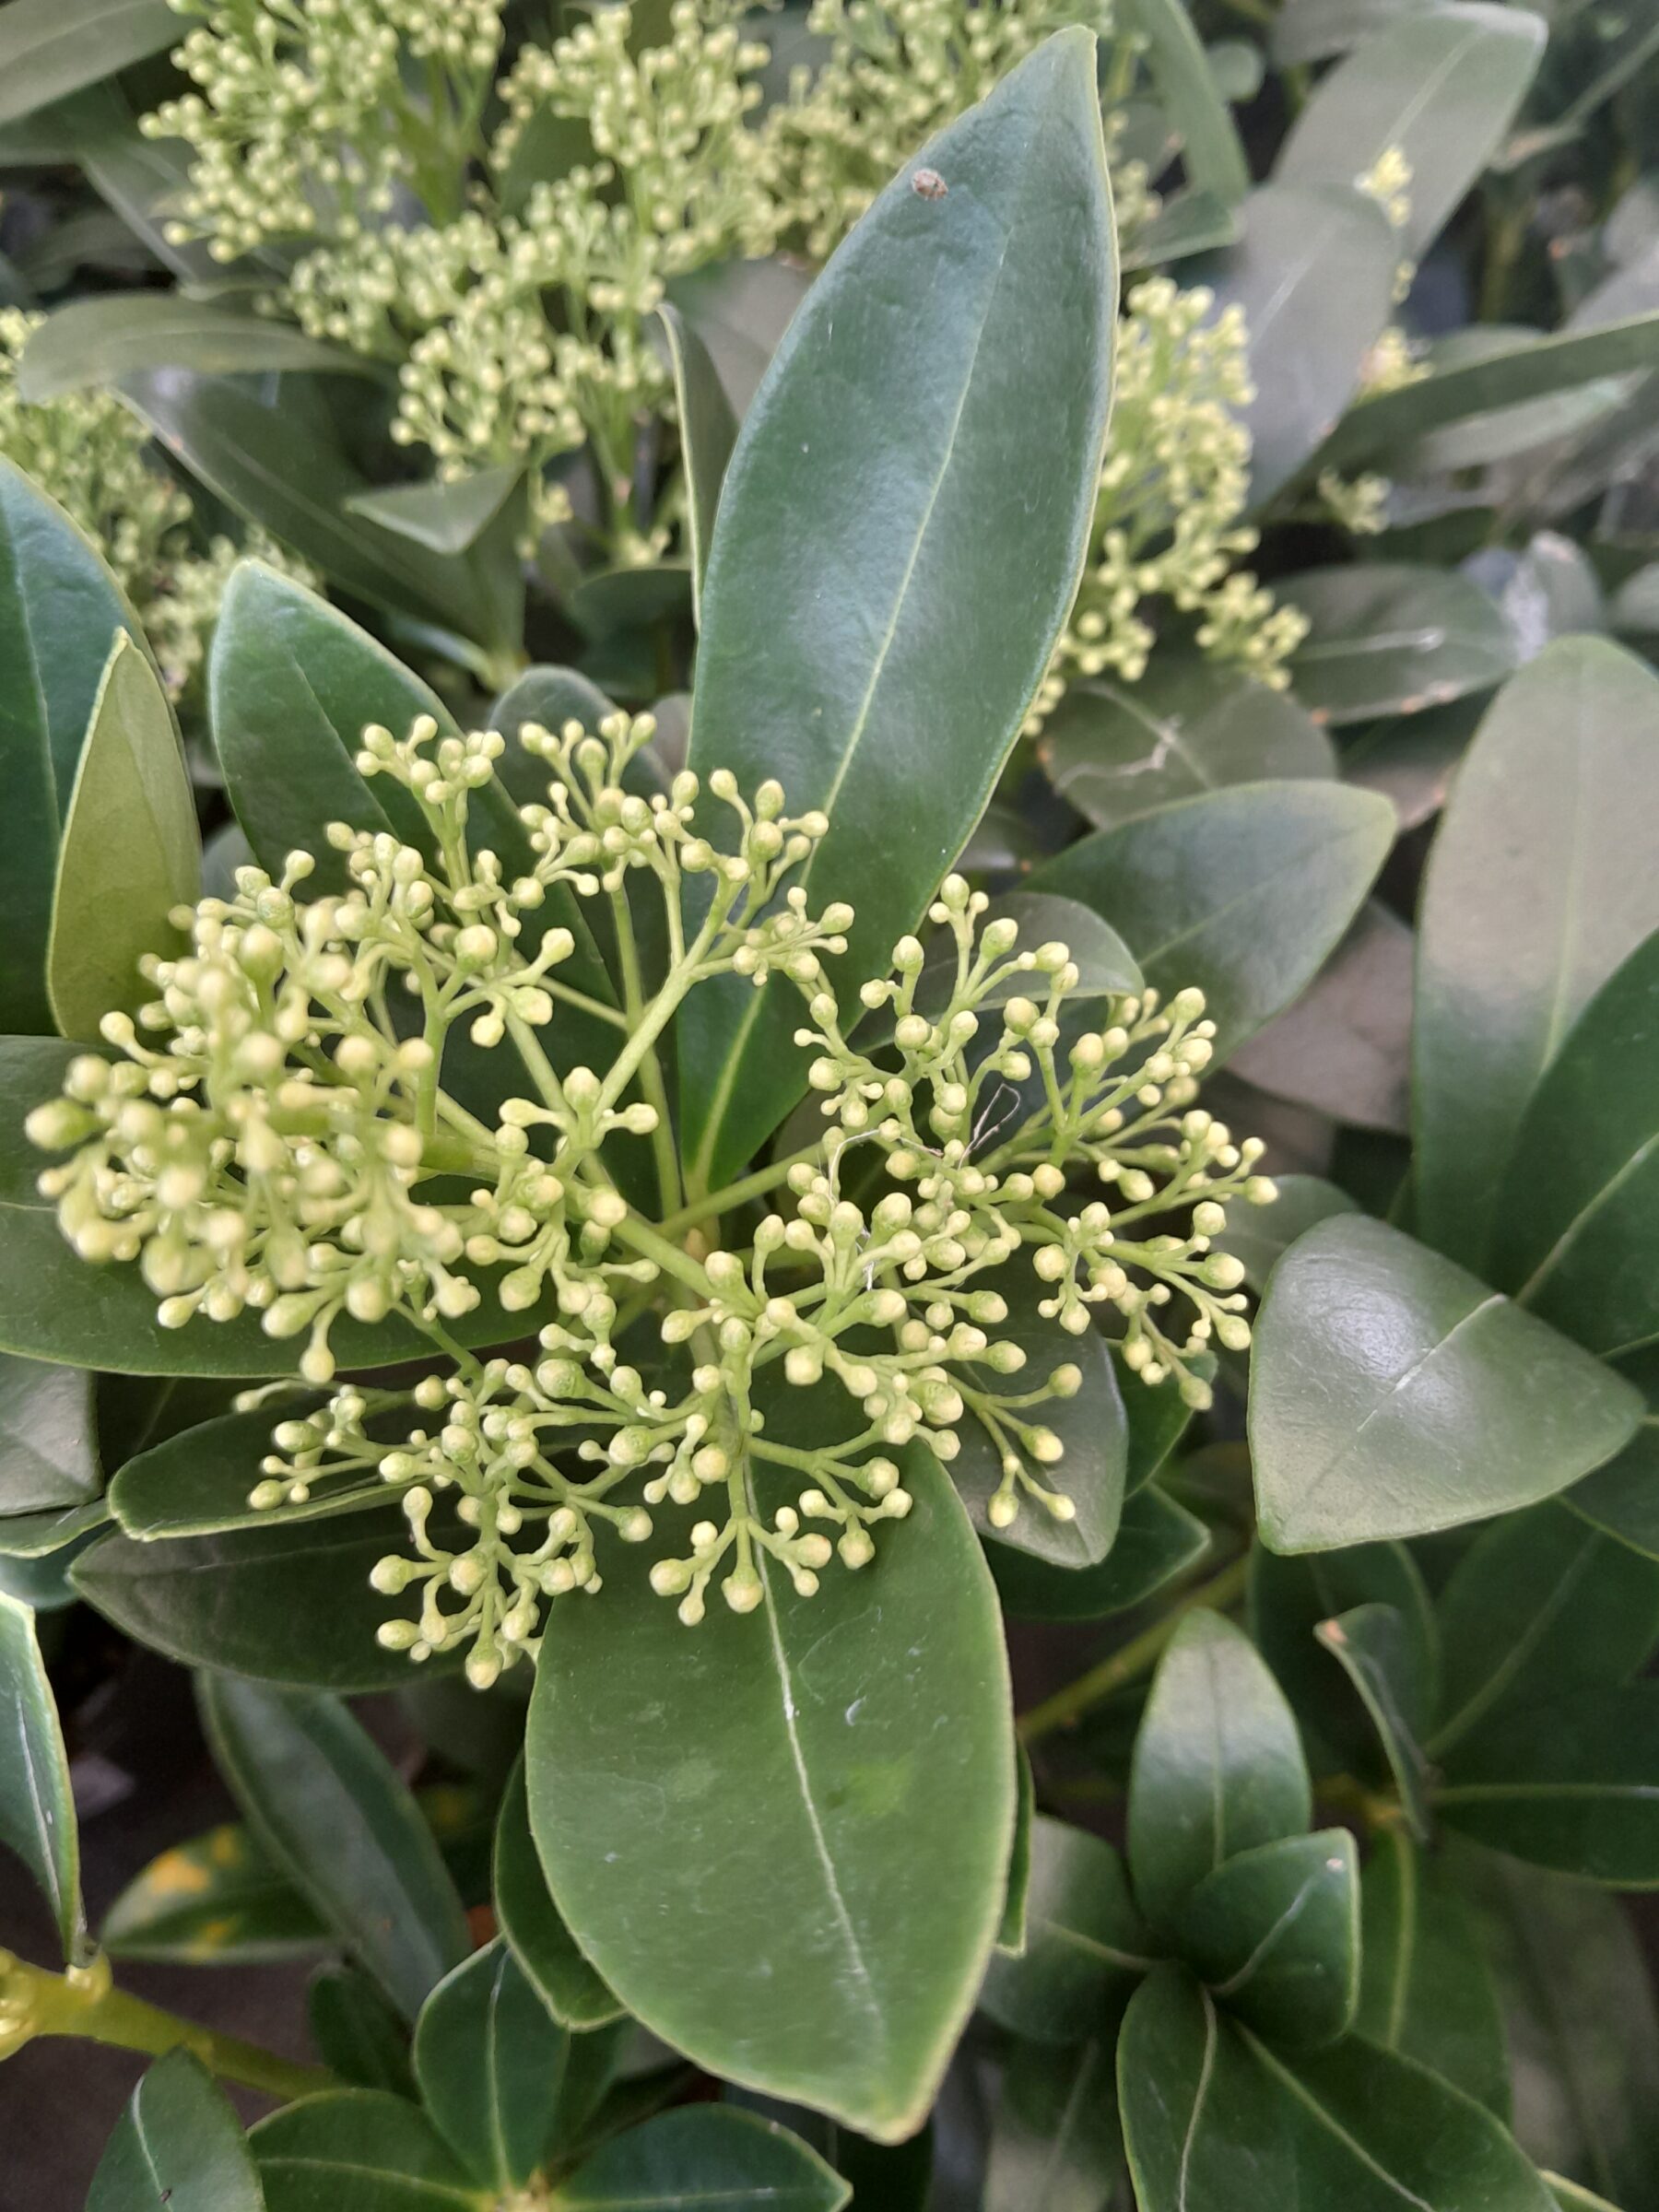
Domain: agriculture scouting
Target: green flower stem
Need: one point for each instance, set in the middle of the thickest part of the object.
(738, 1193)
(86, 2003)
(1067, 1706)
(651, 1244)
(665, 1150)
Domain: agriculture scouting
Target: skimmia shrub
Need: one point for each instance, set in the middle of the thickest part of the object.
(837, 1184)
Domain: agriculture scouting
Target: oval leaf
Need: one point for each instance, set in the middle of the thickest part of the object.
(215, 1900)
(957, 352)
(359, 2150)
(1244, 892)
(1426, 1987)
(571, 1990)
(1569, 1786)
(130, 854)
(1392, 1394)
(1546, 873)
(301, 1768)
(1274, 1932)
(99, 341)
(1085, 1941)
(1391, 637)
(784, 1836)
(491, 2061)
(706, 2155)
(37, 1808)
(177, 2147)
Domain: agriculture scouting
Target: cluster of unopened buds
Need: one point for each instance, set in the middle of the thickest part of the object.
(277, 1132)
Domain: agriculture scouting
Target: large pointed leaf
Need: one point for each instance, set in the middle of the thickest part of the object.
(1056, 2142)
(1244, 892)
(865, 639)
(1578, 1220)
(784, 1836)
(1217, 1769)
(99, 341)
(60, 607)
(48, 1457)
(177, 2147)
(1155, 1540)
(1544, 877)
(1185, 83)
(1392, 1394)
(1394, 637)
(1377, 1649)
(331, 1812)
(216, 1899)
(131, 851)
(1426, 1987)
(37, 1809)
(1440, 88)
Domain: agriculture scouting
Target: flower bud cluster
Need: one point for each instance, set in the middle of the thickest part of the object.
(990, 1099)
(896, 72)
(88, 453)
(275, 1133)
(1169, 519)
(307, 120)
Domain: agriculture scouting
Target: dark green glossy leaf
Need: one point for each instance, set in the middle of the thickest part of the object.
(1440, 87)
(1377, 1649)
(60, 607)
(1540, 1605)
(1201, 2136)
(197, 1484)
(1056, 2142)
(1479, 440)
(707, 2156)
(1218, 1767)
(1568, 1785)
(1243, 893)
(272, 454)
(130, 852)
(291, 1605)
(49, 1458)
(1372, 2131)
(301, 1768)
(37, 1806)
(1106, 968)
(359, 2150)
(99, 341)
(957, 352)
(1314, 275)
(1488, 385)
(218, 1899)
(498, 2077)
(1393, 638)
(1578, 2004)
(1544, 874)
(1343, 1048)
(446, 518)
(708, 431)
(1113, 750)
(1090, 1425)
(1426, 1988)
(740, 311)
(1186, 88)
(1391, 1393)
(52, 1534)
(1155, 1540)
(532, 1922)
(357, 2035)
(178, 2145)
(785, 1837)
(1274, 1933)
(1085, 1941)
(1577, 1222)
(51, 48)
(1411, 759)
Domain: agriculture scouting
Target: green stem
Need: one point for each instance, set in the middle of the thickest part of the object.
(736, 1193)
(1067, 1706)
(664, 1150)
(86, 2003)
(653, 1245)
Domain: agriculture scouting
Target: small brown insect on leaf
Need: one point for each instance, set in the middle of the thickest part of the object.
(929, 183)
